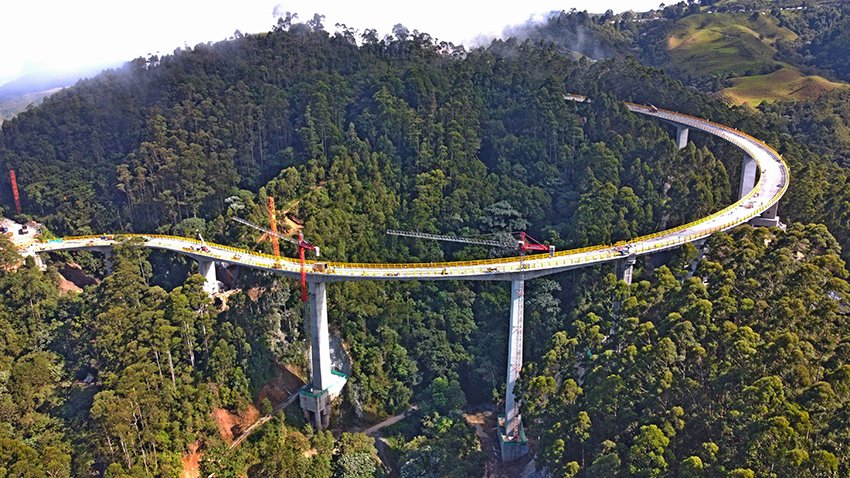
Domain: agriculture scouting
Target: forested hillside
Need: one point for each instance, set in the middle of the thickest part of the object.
(735, 365)
(123, 378)
(395, 133)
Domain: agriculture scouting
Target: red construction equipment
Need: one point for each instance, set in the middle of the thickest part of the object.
(15, 190)
(528, 243)
(302, 245)
(273, 225)
(524, 243)
(300, 242)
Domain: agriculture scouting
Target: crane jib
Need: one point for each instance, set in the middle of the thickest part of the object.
(438, 237)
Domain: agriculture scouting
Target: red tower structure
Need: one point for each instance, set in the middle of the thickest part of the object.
(273, 225)
(15, 190)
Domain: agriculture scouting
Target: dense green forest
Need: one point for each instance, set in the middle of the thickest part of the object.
(735, 365)
(707, 365)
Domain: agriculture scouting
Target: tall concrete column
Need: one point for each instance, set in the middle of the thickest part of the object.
(39, 262)
(748, 176)
(512, 417)
(770, 213)
(625, 269)
(109, 261)
(319, 337)
(207, 269)
(681, 136)
(325, 384)
(512, 436)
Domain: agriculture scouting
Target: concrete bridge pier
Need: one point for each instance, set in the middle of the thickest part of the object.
(625, 268)
(109, 261)
(768, 218)
(748, 176)
(325, 384)
(681, 136)
(206, 267)
(511, 433)
(39, 262)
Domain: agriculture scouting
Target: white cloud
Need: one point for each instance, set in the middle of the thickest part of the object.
(51, 35)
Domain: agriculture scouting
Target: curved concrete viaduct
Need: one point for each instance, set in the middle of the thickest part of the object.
(757, 204)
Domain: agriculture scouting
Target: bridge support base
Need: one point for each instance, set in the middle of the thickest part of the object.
(511, 434)
(207, 269)
(769, 218)
(512, 449)
(317, 404)
(681, 136)
(625, 269)
(325, 384)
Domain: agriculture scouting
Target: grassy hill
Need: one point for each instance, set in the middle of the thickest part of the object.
(787, 82)
(741, 47)
(725, 43)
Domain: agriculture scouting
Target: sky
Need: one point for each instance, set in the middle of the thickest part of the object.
(39, 36)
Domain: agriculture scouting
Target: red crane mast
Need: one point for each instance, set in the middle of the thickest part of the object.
(300, 243)
(273, 225)
(15, 194)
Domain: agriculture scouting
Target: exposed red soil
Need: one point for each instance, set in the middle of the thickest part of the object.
(66, 286)
(231, 425)
(192, 462)
(286, 381)
(75, 273)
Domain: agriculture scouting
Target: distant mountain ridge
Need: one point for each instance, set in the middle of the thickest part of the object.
(44, 80)
(12, 105)
(32, 88)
